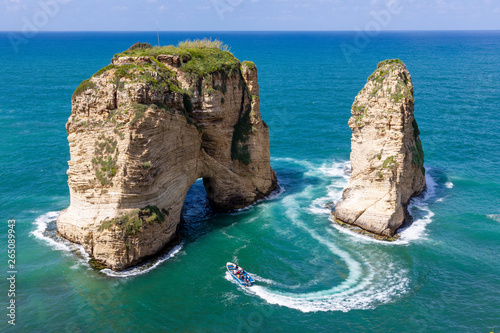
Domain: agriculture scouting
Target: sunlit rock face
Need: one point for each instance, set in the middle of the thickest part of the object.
(386, 153)
(143, 130)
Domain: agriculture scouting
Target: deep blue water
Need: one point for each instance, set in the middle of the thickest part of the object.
(442, 276)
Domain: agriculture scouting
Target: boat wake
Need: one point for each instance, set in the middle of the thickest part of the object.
(374, 275)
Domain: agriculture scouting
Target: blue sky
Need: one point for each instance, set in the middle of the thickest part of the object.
(221, 15)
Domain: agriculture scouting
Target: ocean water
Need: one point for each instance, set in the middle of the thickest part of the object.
(443, 275)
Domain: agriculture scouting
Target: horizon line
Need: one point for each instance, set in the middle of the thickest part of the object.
(230, 31)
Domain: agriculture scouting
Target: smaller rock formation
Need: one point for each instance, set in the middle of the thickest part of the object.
(386, 153)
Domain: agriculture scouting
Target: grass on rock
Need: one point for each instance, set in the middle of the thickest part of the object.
(205, 56)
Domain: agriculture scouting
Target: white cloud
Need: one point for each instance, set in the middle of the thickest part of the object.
(14, 5)
(119, 8)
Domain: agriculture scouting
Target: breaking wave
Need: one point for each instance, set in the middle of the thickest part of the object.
(46, 231)
(144, 268)
(495, 217)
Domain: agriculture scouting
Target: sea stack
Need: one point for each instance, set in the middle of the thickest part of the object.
(144, 129)
(387, 158)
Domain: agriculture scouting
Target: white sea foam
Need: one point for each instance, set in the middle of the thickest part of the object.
(374, 277)
(306, 164)
(45, 223)
(373, 289)
(278, 192)
(340, 179)
(449, 185)
(57, 243)
(495, 217)
(230, 298)
(419, 207)
(417, 230)
(144, 268)
(41, 224)
(381, 283)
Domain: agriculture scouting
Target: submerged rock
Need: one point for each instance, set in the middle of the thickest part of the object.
(387, 159)
(143, 130)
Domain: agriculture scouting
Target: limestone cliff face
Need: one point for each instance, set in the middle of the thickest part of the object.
(386, 153)
(143, 130)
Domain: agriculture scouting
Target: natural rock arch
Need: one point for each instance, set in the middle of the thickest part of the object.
(143, 130)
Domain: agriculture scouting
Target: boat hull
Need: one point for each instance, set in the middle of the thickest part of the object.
(246, 282)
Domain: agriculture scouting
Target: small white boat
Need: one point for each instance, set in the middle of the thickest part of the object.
(239, 274)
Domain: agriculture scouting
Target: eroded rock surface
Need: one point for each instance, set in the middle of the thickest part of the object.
(143, 130)
(386, 153)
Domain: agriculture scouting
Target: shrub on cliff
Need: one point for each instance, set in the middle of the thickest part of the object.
(200, 57)
(133, 222)
(87, 84)
(204, 44)
(140, 46)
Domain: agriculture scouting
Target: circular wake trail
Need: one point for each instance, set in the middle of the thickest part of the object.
(374, 277)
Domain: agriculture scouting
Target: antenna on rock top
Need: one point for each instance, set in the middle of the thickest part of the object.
(157, 32)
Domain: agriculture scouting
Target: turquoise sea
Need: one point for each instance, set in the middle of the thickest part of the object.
(442, 275)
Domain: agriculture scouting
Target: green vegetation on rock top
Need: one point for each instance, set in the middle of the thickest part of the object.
(249, 64)
(205, 56)
(391, 62)
(140, 46)
(384, 70)
(144, 72)
(198, 59)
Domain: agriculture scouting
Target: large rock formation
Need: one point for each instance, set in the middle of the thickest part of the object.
(386, 153)
(143, 130)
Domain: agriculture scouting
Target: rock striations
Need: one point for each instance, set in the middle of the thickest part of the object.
(143, 130)
(386, 157)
